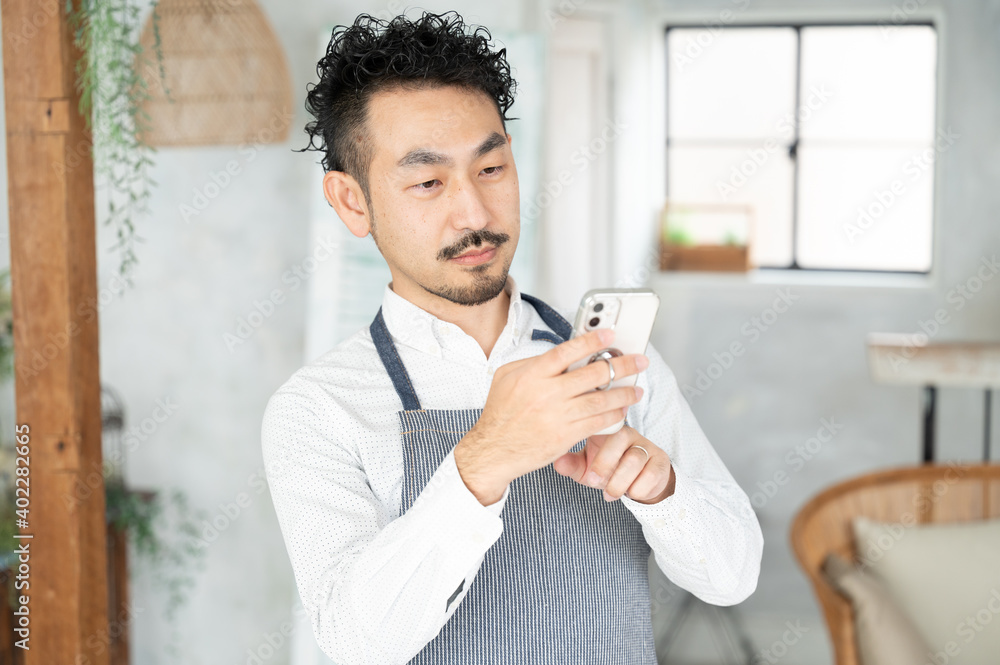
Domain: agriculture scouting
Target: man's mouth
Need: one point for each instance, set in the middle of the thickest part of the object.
(476, 256)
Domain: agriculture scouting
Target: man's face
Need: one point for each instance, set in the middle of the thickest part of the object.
(442, 182)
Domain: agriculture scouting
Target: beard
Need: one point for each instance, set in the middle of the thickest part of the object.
(485, 286)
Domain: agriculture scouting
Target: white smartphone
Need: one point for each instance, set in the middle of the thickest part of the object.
(631, 314)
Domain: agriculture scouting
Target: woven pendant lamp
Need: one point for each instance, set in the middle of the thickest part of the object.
(225, 74)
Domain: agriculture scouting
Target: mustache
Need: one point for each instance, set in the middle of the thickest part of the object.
(476, 238)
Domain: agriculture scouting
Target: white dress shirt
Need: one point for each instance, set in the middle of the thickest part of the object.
(370, 578)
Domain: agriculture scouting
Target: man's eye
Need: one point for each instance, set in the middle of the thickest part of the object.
(429, 184)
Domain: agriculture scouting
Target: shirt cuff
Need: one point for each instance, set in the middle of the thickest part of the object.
(460, 519)
(673, 518)
(498, 505)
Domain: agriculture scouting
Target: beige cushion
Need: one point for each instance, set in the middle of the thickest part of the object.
(946, 577)
(885, 635)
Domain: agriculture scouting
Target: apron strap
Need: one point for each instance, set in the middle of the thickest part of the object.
(553, 319)
(401, 379)
(393, 363)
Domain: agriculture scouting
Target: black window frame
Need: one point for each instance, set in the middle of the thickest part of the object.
(793, 147)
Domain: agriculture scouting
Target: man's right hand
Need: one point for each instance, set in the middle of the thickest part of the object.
(536, 412)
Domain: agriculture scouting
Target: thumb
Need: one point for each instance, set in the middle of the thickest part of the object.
(573, 465)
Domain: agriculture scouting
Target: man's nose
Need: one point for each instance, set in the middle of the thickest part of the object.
(469, 209)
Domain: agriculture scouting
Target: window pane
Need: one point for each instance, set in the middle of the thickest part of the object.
(732, 83)
(741, 174)
(865, 208)
(866, 112)
(878, 82)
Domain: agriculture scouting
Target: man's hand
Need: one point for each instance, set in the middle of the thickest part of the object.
(536, 411)
(608, 461)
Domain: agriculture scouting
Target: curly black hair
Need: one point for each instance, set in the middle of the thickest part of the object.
(374, 54)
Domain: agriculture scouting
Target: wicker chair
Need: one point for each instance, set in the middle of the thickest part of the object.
(937, 493)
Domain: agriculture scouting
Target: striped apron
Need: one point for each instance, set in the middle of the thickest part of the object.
(567, 581)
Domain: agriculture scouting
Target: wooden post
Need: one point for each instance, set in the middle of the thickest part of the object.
(54, 286)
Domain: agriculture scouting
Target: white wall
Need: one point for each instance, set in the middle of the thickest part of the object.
(164, 339)
(810, 364)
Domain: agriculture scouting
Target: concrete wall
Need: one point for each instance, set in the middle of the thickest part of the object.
(809, 365)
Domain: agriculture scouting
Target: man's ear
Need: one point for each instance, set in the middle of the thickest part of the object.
(344, 193)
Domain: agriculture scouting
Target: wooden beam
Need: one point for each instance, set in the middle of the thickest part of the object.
(57, 381)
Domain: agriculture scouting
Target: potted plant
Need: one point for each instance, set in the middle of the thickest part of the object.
(705, 237)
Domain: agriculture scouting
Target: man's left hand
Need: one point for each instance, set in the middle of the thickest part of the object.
(620, 469)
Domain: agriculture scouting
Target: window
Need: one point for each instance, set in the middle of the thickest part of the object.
(826, 132)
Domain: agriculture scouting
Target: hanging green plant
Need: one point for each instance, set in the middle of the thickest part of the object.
(111, 94)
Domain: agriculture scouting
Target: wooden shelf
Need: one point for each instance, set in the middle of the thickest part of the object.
(903, 359)
(716, 258)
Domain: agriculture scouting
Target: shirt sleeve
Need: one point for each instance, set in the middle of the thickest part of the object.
(377, 587)
(705, 536)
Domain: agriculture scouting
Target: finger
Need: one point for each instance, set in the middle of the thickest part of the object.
(610, 456)
(574, 465)
(598, 402)
(596, 374)
(557, 359)
(586, 427)
(650, 481)
(634, 473)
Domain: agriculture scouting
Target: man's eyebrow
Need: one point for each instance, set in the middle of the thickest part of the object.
(426, 157)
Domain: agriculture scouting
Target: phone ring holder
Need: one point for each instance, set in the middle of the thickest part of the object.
(606, 355)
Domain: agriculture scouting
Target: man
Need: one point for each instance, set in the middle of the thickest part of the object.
(436, 475)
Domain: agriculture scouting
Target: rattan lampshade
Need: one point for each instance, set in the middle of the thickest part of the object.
(225, 75)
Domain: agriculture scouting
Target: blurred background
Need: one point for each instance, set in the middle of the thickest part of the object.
(790, 176)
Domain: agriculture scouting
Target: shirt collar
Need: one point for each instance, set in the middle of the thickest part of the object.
(418, 328)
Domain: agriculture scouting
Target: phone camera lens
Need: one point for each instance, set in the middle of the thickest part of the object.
(594, 321)
(598, 307)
